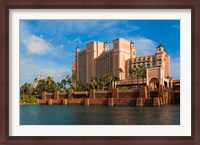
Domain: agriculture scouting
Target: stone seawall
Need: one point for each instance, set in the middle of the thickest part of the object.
(135, 97)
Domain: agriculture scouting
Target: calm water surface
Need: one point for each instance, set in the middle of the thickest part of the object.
(99, 115)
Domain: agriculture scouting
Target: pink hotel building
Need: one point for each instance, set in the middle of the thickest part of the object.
(97, 60)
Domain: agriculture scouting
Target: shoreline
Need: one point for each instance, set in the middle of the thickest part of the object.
(28, 104)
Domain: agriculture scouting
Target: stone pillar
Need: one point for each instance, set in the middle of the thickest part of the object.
(167, 97)
(70, 95)
(111, 102)
(50, 101)
(38, 101)
(115, 93)
(156, 101)
(139, 102)
(143, 92)
(148, 92)
(161, 100)
(92, 93)
(44, 95)
(87, 102)
(64, 101)
(56, 95)
(86, 93)
(147, 76)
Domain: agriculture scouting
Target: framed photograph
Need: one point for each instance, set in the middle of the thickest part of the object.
(100, 72)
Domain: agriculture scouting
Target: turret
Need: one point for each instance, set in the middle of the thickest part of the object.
(105, 46)
(160, 48)
(132, 50)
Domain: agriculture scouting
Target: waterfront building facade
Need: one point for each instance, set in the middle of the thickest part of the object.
(97, 59)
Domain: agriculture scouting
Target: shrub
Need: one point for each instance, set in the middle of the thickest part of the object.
(29, 100)
(123, 88)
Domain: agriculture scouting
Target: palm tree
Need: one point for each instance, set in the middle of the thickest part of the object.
(26, 89)
(115, 79)
(63, 85)
(93, 82)
(69, 81)
(131, 72)
(138, 71)
(120, 70)
(46, 85)
(106, 80)
(110, 78)
(98, 82)
(143, 75)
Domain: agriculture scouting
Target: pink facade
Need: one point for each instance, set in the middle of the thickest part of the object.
(97, 60)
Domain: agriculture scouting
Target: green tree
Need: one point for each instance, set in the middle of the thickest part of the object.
(115, 79)
(96, 82)
(69, 81)
(46, 85)
(63, 85)
(131, 72)
(26, 89)
(93, 82)
(107, 78)
(120, 70)
(138, 71)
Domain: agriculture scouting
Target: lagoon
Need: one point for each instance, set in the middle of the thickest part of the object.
(99, 115)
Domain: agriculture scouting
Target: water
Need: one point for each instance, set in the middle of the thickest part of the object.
(99, 115)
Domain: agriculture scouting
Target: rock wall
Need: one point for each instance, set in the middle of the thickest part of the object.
(138, 97)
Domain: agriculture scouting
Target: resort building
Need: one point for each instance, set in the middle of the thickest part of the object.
(97, 59)
(36, 81)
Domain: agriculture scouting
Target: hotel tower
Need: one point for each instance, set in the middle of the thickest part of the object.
(97, 59)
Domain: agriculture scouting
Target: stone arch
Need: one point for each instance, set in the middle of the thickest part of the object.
(165, 83)
(154, 83)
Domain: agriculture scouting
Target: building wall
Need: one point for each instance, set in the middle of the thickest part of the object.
(104, 63)
(74, 72)
(167, 65)
(97, 60)
(121, 53)
(93, 50)
(81, 65)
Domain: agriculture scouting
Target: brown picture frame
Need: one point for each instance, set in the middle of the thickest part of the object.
(6, 5)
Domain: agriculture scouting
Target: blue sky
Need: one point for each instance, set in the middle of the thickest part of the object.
(47, 46)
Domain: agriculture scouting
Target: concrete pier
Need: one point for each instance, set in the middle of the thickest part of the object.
(44, 95)
(92, 93)
(38, 101)
(139, 102)
(136, 97)
(70, 95)
(87, 102)
(115, 93)
(143, 92)
(64, 101)
(156, 101)
(56, 95)
(111, 102)
(50, 102)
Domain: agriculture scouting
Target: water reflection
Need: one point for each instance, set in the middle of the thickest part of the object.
(99, 115)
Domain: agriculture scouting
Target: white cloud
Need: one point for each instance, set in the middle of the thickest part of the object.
(33, 43)
(58, 74)
(76, 41)
(24, 32)
(144, 46)
(37, 45)
(61, 46)
(29, 69)
(175, 68)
